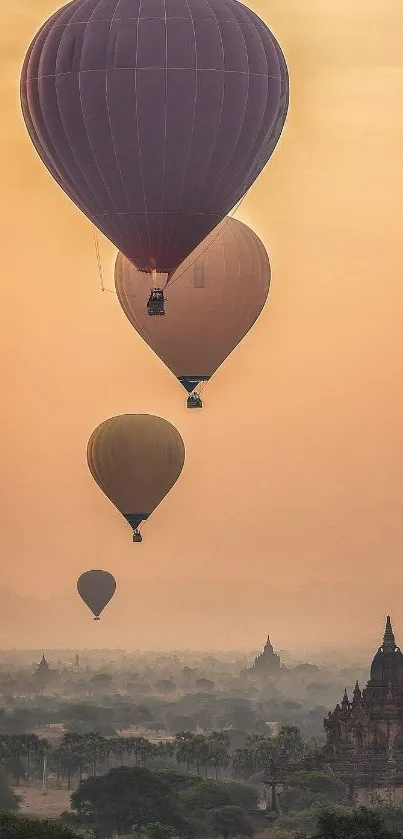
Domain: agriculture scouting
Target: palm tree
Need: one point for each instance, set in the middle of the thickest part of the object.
(44, 750)
(118, 747)
(140, 749)
(201, 753)
(67, 762)
(74, 745)
(30, 743)
(218, 754)
(17, 749)
(4, 747)
(245, 762)
(184, 748)
(94, 748)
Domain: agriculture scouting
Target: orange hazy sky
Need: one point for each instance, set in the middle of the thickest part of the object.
(293, 478)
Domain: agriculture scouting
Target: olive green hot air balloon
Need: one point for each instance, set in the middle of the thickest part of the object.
(96, 588)
(213, 299)
(135, 459)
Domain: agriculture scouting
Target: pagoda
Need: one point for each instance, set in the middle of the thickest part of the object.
(43, 674)
(365, 734)
(267, 663)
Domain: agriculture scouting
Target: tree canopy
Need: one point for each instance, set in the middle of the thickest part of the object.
(128, 798)
(361, 823)
(14, 827)
(231, 821)
(8, 799)
(158, 803)
(209, 795)
(312, 789)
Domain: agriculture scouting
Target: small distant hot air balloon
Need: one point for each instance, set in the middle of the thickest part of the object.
(214, 299)
(155, 117)
(96, 589)
(135, 459)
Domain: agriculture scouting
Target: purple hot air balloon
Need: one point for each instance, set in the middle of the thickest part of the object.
(155, 116)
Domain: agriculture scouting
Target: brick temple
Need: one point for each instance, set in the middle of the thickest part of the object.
(365, 733)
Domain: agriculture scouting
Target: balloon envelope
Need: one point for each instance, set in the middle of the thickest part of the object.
(135, 459)
(213, 300)
(96, 588)
(154, 116)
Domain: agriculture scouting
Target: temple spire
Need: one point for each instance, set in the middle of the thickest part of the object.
(389, 644)
(345, 701)
(357, 696)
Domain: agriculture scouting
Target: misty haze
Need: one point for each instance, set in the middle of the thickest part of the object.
(201, 426)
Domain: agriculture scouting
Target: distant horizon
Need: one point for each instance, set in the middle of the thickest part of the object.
(62, 613)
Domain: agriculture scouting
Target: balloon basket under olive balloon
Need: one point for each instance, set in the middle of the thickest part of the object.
(97, 619)
(137, 537)
(194, 401)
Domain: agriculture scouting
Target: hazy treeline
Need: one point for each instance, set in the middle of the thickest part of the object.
(234, 754)
(165, 694)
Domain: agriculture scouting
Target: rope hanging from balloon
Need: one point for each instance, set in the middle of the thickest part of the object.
(99, 263)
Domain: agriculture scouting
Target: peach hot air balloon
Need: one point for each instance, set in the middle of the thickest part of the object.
(135, 459)
(214, 298)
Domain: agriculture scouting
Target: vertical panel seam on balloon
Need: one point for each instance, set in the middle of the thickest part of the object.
(86, 132)
(109, 116)
(252, 170)
(116, 219)
(253, 153)
(192, 131)
(264, 111)
(63, 128)
(32, 128)
(165, 126)
(220, 117)
(239, 266)
(244, 114)
(137, 124)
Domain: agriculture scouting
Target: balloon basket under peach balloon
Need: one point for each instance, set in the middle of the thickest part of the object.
(194, 401)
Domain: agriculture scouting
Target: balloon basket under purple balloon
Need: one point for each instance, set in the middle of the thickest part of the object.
(156, 303)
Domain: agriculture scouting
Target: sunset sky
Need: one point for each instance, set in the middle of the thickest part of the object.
(293, 482)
